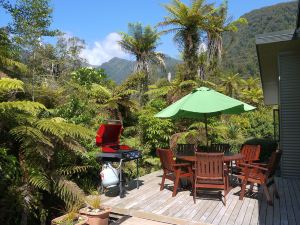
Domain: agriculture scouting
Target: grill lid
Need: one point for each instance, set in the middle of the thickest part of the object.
(109, 134)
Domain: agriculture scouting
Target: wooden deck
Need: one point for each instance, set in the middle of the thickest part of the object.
(149, 203)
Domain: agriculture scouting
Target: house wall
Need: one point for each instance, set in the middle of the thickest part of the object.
(289, 96)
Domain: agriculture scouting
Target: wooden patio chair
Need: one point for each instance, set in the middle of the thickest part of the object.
(221, 148)
(210, 172)
(262, 174)
(251, 153)
(172, 170)
(185, 149)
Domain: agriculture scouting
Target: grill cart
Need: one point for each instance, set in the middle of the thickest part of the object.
(108, 139)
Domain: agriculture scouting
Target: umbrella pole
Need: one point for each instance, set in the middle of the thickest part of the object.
(206, 130)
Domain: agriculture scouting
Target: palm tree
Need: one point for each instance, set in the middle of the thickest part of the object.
(187, 22)
(219, 24)
(142, 43)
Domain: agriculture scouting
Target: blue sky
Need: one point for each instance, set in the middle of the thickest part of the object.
(98, 21)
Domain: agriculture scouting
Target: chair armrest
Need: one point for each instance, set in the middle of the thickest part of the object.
(260, 164)
(253, 166)
(181, 165)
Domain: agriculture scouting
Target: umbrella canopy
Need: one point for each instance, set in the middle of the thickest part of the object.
(202, 103)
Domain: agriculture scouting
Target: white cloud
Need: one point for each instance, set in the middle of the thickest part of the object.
(104, 50)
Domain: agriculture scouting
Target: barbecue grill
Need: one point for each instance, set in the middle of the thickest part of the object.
(108, 139)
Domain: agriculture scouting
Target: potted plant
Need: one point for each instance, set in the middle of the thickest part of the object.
(97, 214)
(71, 218)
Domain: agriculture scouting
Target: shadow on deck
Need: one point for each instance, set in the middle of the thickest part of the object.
(149, 202)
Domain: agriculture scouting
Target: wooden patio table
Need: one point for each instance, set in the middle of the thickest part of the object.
(228, 158)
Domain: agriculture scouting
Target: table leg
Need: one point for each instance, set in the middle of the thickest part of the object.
(137, 173)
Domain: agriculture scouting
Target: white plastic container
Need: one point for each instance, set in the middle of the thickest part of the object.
(109, 176)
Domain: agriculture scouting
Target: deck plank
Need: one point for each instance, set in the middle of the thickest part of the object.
(288, 201)
(242, 213)
(221, 212)
(235, 212)
(249, 213)
(149, 202)
(295, 200)
(276, 210)
(283, 212)
(230, 209)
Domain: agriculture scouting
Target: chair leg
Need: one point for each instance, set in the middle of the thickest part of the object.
(243, 189)
(251, 187)
(162, 185)
(194, 194)
(276, 190)
(176, 182)
(267, 193)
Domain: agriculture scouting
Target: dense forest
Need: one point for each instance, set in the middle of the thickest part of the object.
(240, 54)
(51, 104)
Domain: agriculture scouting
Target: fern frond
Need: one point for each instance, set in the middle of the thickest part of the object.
(8, 85)
(26, 106)
(61, 129)
(70, 170)
(40, 181)
(13, 64)
(69, 192)
(74, 146)
(29, 135)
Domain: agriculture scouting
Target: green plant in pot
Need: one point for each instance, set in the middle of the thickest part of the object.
(97, 214)
(72, 217)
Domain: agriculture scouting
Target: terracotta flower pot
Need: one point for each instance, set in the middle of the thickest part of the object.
(59, 220)
(96, 218)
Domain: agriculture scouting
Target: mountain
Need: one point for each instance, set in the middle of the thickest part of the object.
(119, 69)
(240, 50)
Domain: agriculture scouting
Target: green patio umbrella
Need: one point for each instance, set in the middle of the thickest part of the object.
(202, 103)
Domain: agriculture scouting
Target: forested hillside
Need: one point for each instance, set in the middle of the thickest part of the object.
(119, 69)
(240, 52)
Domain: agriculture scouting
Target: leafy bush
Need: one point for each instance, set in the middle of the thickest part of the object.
(155, 132)
(88, 76)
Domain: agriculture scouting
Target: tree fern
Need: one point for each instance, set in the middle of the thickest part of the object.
(28, 135)
(40, 180)
(26, 106)
(70, 170)
(62, 129)
(8, 85)
(69, 191)
(12, 64)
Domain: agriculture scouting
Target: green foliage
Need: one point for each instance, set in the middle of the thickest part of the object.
(88, 76)
(240, 55)
(142, 43)
(156, 132)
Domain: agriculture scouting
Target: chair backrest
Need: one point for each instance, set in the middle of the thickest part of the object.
(221, 148)
(209, 166)
(185, 149)
(274, 162)
(166, 159)
(250, 152)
